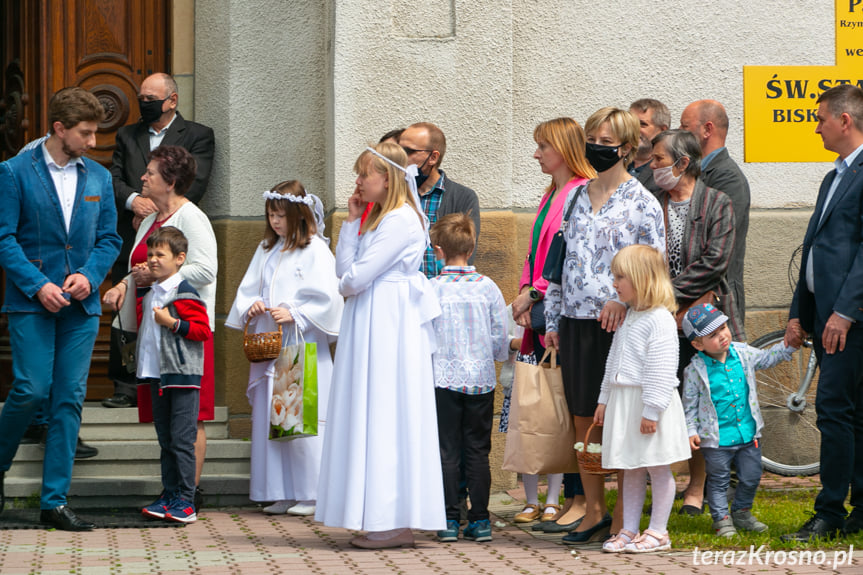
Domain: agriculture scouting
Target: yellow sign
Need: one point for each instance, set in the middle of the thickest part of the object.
(779, 101)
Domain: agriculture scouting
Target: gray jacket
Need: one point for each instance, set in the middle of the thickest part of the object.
(701, 418)
(181, 357)
(459, 199)
(706, 252)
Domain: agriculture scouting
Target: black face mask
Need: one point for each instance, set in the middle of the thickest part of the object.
(150, 111)
(421, 177)
(602, 157)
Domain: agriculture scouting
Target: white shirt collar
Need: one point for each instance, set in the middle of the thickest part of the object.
(49, 160)
(168, 284)
(162, 131)
(840, 164)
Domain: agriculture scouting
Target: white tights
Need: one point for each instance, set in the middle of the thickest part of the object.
(634, 489)
(531, 488)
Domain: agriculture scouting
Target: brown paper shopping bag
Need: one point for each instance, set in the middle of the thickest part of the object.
(541, 433)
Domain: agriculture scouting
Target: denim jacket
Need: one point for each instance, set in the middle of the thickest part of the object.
(701, 418)
(36, 248)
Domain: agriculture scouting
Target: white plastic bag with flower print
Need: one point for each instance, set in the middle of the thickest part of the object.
(294, 406)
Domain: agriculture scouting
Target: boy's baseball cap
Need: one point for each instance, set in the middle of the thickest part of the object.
(702, 320)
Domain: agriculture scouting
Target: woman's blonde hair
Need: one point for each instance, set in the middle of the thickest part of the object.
(624, 125)
(398, 192)
(647, 270)
(567, 138)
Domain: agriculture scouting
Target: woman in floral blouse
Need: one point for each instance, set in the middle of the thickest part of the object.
(611, 212)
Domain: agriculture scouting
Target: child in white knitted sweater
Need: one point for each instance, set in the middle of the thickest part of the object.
(644, 428)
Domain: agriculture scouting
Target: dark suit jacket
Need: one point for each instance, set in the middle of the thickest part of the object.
(460, 199)
(837, 242)
(130, 162)
(723, 174)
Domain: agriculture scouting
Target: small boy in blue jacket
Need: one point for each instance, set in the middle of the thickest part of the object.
(723, 417)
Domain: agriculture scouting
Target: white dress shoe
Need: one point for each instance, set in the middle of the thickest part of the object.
(303, 508)
(279, 507)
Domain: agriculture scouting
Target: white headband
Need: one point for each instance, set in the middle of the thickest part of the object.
(308, 199)
(410, 177)
(311, 200)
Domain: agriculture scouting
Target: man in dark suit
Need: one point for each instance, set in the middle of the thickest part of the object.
(653, 118)
(828, 303)
(707, 120)
(58, 240)
(160, 124)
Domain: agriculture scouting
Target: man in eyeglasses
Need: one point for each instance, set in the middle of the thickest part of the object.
(425, 145)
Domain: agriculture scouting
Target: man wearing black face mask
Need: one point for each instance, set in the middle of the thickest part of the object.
(160, 124)
(425, 145)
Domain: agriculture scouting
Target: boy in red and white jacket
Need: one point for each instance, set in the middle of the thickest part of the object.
(173, 327)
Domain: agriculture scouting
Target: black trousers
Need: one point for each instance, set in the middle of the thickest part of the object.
(464, 431)
(839, 411)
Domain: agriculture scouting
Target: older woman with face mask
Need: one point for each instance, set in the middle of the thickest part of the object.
(169, 175)
(700, 238)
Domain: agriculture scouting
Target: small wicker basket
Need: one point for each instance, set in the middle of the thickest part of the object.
(262, 346)
(591, 462)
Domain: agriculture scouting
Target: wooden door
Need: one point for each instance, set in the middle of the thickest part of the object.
(105, 46)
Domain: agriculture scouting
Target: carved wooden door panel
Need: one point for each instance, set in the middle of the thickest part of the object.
(105, 46)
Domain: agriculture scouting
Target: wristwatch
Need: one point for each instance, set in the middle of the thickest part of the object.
(534, 294)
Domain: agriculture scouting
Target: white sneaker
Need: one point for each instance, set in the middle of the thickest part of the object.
(303, 508)
(279, 507)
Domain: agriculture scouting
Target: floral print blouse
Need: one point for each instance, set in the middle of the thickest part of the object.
(632, 215)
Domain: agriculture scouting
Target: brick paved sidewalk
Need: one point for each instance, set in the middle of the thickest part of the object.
(246, 541)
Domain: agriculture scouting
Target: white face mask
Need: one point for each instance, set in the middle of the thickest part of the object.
(665, 178)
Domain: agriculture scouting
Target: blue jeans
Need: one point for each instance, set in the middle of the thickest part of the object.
(747, 460)
(50, 362)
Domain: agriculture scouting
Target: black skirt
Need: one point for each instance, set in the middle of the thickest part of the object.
(584, 347)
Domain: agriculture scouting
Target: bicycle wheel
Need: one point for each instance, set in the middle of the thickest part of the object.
(790, 440)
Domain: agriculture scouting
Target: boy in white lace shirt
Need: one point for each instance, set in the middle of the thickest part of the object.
(471, 334)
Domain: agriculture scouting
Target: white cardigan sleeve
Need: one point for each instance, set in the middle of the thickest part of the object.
(659, 376)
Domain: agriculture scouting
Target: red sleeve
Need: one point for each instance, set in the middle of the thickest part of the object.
(194, 323)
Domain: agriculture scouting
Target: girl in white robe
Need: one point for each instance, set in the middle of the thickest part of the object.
(381, 467)
(291, 280)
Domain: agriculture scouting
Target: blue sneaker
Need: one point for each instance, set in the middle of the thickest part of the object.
(158, 507)
(180, 510)
(478, 531)
(450, 533)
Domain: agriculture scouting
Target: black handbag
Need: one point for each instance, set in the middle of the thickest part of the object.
(537, 317)
(552, 270)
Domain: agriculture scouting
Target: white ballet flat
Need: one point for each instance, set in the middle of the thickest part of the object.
(302, 509)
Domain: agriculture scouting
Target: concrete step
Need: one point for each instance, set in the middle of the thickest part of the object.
(128, 491)
(127, 471)
(117, 424)
(129, 458)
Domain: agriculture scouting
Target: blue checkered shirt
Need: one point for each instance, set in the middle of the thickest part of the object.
(430, 204)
